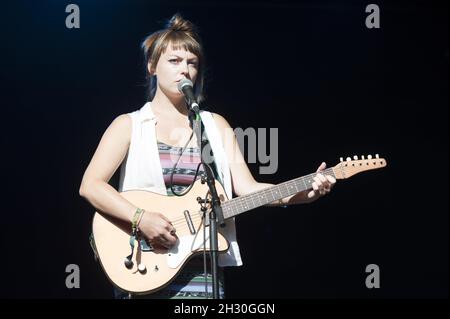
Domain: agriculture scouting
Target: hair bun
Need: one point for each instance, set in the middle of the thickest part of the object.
(177, 23)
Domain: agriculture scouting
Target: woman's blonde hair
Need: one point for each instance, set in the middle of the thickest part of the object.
(179, 33)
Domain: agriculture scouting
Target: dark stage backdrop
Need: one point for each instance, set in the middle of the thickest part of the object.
(332, 87)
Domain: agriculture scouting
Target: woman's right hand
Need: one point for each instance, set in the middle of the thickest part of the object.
(158, 229)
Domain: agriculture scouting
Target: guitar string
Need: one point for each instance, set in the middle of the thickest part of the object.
(246, 197)
(182, 224)
(238, 200)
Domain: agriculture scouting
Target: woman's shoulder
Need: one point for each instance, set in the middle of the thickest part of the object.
(123, 119)
(121, 123)
(220, 120)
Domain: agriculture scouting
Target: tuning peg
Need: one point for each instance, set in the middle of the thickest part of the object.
(348, 159)
(369, 156)
(355, 157)
(362, 157)
(377, 156)
(342, 159)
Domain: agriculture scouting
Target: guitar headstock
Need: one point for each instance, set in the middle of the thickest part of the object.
(349, 167)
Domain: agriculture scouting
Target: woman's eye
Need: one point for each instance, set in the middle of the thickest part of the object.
(176, 61)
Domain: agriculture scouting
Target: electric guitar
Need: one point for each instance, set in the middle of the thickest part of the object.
(153, 268)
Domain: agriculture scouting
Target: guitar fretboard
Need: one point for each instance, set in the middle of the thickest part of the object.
(265, 196)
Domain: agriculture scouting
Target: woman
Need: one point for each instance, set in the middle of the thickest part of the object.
(145, 142)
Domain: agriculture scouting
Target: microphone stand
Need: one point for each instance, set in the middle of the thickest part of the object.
(216, 214)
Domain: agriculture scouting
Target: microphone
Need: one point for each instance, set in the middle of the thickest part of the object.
(186, 87)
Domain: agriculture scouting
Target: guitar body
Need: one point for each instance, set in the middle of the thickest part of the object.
(112, 240)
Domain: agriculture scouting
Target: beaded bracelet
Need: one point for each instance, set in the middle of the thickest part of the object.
(140, 218)
(134, 235)
(136, 218)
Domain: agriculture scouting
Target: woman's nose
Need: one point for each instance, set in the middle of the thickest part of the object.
(185, 69)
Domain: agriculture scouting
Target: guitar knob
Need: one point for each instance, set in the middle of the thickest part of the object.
(362, 157)
(128, 263)
(369, 156)
(355, 157)
(142, 268)
(348, 159)
(342, 159)
(377, 156)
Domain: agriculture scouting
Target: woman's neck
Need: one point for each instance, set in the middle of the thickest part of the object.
(167, 106)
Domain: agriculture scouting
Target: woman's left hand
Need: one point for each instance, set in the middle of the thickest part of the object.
(322, 185)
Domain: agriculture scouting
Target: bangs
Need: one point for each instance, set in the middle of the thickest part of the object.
(180, 40)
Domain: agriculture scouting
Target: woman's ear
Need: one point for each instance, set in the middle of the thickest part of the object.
(150, 69)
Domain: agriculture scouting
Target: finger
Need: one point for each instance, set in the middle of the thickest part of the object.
(318, 182)
(322, 166)
(320, 186)
(311, 194)
(169, 227)
(322, 178)
(171, 240)
(331, 179)
(314, 186)
(163, 241)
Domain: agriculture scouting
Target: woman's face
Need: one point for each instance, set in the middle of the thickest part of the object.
(173, 66)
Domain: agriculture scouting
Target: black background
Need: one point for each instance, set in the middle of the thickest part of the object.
(312, 69)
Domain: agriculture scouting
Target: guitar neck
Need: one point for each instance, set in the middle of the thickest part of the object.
(268, 195)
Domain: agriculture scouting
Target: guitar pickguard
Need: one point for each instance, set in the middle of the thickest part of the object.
(187, 245)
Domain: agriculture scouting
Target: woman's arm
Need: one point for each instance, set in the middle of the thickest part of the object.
(108, 156)
(242, 179)
(95, 188)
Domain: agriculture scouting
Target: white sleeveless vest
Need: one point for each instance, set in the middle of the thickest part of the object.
(141, 168)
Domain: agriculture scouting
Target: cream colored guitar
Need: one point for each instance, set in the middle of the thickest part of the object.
(158, 266)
